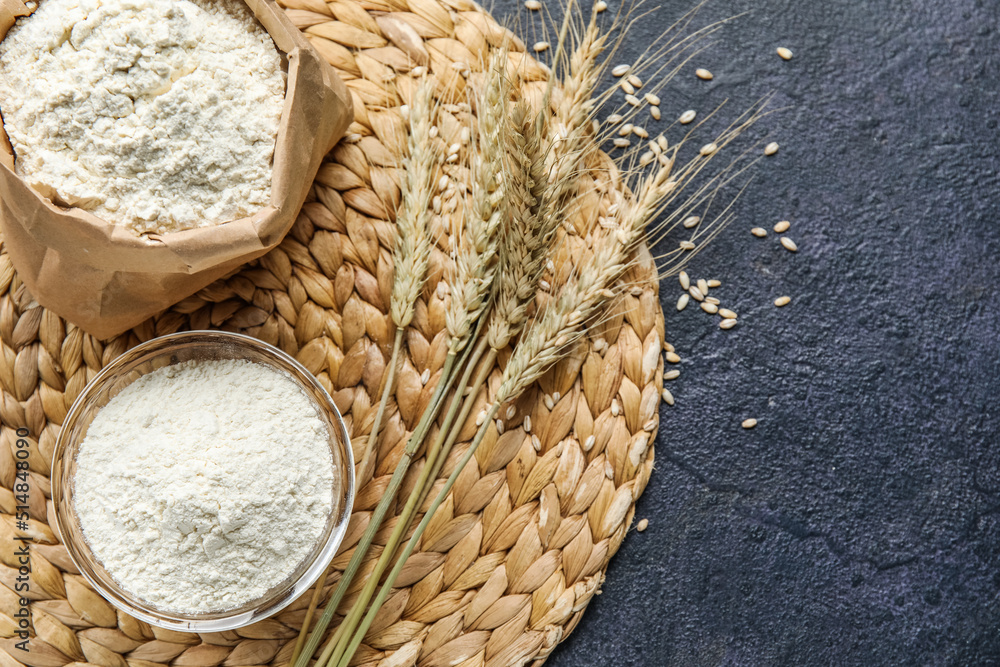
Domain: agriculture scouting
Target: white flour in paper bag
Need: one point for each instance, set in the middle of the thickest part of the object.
(160, 115)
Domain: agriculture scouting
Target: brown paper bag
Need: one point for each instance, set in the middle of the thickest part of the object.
(104, 278)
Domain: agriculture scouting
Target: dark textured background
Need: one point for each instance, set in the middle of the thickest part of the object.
(859, 523)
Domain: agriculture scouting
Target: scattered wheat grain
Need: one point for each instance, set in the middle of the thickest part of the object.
(727, 323)
(620, 70)
(633, 100)
(541, 46)
(655, 113)
(642, 525)
(691, 221)
(647, 158)
(703, 74)
(687, 116)
(782, 226)
(668, 398)
(749, 423)
(548, 402)
(625, 130)
(622, 143)
(771, 148)
(673, 358)
(526, 424)
(600, 6)
(712, 300)
(785, 53)
(614, 118)
(714, 283)
(759, 232)
(662, 142)
(709, 307)
(687, 245)
(727, 314)
(627, 87)
(672, 374)
(708, 149)
(682, 301)
(652, 99)
(782, 301)
(635, 81)
(702, 286)
(789, 244)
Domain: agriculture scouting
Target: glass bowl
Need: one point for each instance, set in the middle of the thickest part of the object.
(166, 351)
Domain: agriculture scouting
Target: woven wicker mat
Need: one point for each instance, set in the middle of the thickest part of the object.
(505, 571)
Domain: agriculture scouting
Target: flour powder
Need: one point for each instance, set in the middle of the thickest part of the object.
(202, 485)
(159, 115)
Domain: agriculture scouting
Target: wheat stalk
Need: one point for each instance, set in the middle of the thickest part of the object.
(411, 253)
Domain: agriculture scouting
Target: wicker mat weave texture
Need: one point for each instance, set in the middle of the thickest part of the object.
(508, 566)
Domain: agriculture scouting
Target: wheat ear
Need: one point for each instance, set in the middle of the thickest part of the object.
(411, 254)
(476, 261)
(525, 241)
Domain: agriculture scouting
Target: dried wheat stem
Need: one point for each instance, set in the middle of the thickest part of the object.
(330, 645)
(307, 621)
(367, 465)
(390, 579)
(452, 426)
(361, 550)
(432, 465)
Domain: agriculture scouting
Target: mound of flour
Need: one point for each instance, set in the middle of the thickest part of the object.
(159, 115)
(202, 485)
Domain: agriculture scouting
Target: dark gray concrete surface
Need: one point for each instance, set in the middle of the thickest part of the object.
(859, 523)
